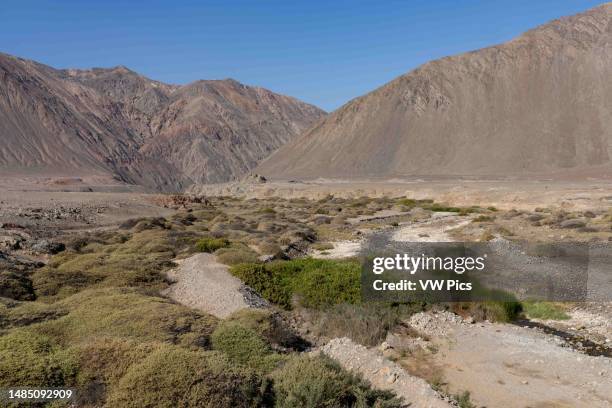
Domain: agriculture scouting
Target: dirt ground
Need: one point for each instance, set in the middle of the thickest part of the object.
(510, 366)
(504, 194)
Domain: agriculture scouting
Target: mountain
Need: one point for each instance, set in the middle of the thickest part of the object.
(117, 123)
(539, 104)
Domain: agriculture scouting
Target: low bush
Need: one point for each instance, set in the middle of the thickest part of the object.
(35, 360)
(408, 202)
(268, 248)
(494, 311)
(484, 218)
(315, 282)
(312, 382)
(236, 254)
(244, 346)
(211, 244)
(366, 324)
(128, 314)
(544, 310)
(104, 360)
(269, 284)
(174, 377)
(271, 327)
(17, 314)
(436, 207)
(139, 261)
(267, 210)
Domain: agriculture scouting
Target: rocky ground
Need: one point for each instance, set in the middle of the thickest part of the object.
(511, 366)
(384, 374)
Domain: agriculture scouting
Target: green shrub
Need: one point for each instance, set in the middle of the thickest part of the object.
(244, 346)
(267, 210)
(270, 326)
(174, 377)
(32, 359)
(408, 202)
(313, 382)
(269, 284)
(106, 359)
(240, 343)
(236, 254)
(442, 208)
(211, 244)
(316, 282)
(544, 310)
(17, 314)
(128, 314)
(139, 261)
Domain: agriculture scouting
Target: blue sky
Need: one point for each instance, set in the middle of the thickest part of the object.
(323, 52)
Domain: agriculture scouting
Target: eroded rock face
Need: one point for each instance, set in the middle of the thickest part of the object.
(538, 104)
(117, 123)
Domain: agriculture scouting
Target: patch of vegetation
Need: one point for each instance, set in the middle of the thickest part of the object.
(129, 314)
(544, 310)
(15, 285)
(33, 359)
(269, 284)
(312, 382)
(236, 254)
(322, 246)
(484, 218)
(366, 324)
(269, 326)
(436, 207)
(175, 377)
(17, 314)
(211, 244)
(464, 400)
(315, 282)
(244, 346)
(138, 261)
(493, 310)
(408, 202)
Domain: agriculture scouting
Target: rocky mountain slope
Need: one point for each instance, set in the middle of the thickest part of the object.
(539, 104)
(117, 123)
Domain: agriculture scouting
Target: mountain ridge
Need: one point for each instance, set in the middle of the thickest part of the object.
(116, 122)
(536, 104)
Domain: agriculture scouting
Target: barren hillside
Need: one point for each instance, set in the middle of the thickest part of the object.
(117, 123)
(541, 103)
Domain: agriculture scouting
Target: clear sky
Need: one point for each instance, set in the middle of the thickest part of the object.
(323, 52)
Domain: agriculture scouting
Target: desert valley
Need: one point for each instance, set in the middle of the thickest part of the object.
(202, 244)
